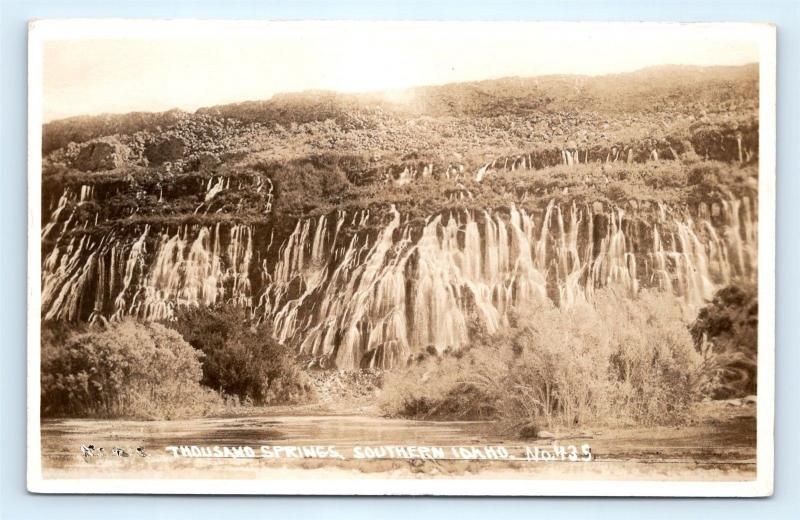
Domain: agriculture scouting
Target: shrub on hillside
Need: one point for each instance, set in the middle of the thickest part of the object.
(128, 369)
(308, 183)
(242, 359)
(665, 175)
(704, 174)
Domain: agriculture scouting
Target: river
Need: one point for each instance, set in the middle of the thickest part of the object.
(705, 451)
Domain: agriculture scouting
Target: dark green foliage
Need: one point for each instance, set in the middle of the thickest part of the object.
(242, 359)
(726, 331)
(125, 370)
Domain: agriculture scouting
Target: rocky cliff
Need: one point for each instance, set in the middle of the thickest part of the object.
(364, 231)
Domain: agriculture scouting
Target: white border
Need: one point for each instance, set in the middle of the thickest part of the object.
(764, 35)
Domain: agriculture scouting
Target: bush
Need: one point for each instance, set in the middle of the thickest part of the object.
(704, 173)
(447, 388)
(666, 175)
(125, 370)
(653, 363)
(242, 359)
(726, 333)
(310, 183)
(615, 361)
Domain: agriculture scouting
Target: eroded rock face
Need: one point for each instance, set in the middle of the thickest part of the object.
(98, 155)
(371, 287)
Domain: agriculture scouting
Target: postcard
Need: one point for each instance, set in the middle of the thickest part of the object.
(401, 258)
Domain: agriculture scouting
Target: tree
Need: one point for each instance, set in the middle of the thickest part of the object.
(242, 359)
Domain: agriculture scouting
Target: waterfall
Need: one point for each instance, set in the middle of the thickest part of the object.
(355, 288)
(214, 188)
(192, 274)
(67, 201)
(63, 203)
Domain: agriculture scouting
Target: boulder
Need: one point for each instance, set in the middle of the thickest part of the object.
(168, 149)
(100, 154)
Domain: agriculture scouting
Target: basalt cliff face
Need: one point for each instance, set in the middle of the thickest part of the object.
(361, 256)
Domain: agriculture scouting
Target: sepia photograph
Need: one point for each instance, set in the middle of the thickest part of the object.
(448, 258)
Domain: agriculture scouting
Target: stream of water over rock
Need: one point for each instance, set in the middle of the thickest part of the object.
(368, 288)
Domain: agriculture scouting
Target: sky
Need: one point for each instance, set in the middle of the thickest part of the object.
(102, 67)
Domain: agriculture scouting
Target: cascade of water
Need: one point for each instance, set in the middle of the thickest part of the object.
(270, 196)
(195, 274)
(374, 297)
(368, 305)
(616, 264)
(214, 188)
(570, 268)
(134, 267)
(87, 193)
(348, 298)
(63, 202)
(292, 267)
(703, 256)
(64, 282)
(240, 255)
(692, 263)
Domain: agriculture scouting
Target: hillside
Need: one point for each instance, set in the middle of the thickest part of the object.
(542, 109)
(457, 133)
(364, 229)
